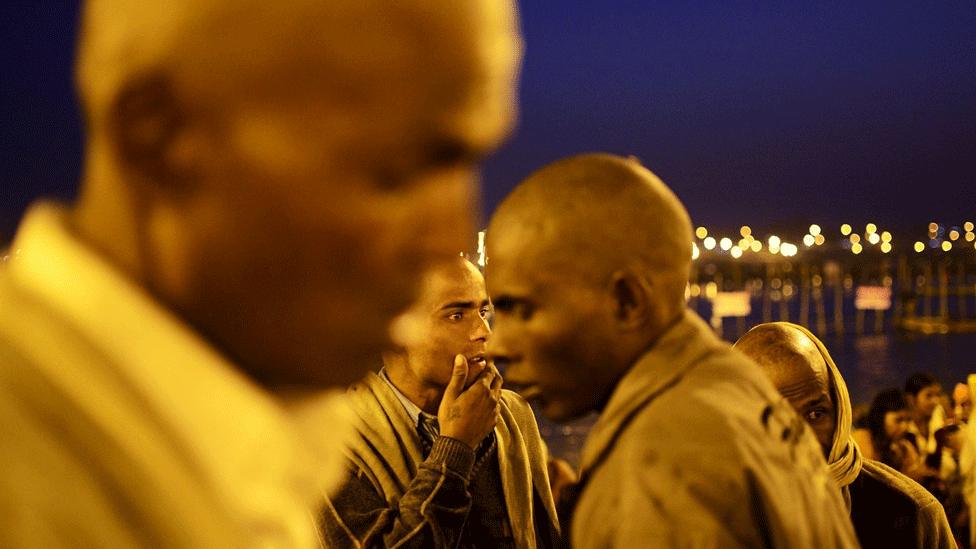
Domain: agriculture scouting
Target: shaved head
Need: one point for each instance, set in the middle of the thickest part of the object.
(593, 214)
(795, 365)
(217, 52)
(588, 260)
(281, 174)
(785, 354)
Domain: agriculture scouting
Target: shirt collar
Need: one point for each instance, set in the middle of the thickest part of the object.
(412, 409)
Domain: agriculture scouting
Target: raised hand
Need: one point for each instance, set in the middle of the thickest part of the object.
(469, 414)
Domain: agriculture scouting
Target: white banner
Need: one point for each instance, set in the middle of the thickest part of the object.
(731, 304)
(872, 298)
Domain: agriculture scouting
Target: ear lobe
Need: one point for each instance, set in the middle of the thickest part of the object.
(631, 295)
(146, 124)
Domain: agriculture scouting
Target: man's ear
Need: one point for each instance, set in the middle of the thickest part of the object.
(147, 123)
(631, 295)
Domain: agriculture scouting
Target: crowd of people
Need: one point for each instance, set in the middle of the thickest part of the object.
(254, 329)
(919, 431)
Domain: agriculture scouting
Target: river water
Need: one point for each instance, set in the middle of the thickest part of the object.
(869, 364)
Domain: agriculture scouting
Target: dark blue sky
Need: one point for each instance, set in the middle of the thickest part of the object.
(754, 113)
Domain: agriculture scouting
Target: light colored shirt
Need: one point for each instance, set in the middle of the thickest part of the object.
(121, 427)
(412, 409)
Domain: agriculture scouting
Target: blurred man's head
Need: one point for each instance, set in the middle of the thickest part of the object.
(449, 318)
(588, 262)
(799, 372)
(282, 173)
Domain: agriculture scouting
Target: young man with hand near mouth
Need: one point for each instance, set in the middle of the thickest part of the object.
(445, 457)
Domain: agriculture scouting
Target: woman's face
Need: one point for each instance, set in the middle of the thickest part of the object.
(896, 424)
(927, 399)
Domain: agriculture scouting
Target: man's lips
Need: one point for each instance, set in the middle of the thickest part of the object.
(477, 361)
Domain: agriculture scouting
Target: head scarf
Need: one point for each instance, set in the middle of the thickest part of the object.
(844, 460)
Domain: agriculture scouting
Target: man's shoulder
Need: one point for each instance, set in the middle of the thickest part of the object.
(720, 412)
(519, 411)
(720, 388)
(878, 481)
(514, 401)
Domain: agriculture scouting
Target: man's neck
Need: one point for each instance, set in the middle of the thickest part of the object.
(425, 397)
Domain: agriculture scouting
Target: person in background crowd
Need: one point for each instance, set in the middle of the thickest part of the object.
(264, 182)
(588, 263)
(445, 457)
(924, 395)
(885, 435)
(967, 467)
(945, 460)
(962, 404)
(887, 508)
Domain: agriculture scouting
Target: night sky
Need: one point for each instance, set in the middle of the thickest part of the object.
(771, 115)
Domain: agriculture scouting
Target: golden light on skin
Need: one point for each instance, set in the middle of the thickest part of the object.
(808, 240)
(736, 253)
(870, 228)
(856, 249)
(886, 236)
(919, 247)
(968, 226)
(845, 229)
(970, 236)
(819, 240)
(725, 243)
(745, 231)
(953, 235)
(701, 232)
(855, 238)
(744, 244)
(874, 238)
(814, 229)
(756, 246)
(946, 246)
(933, 227)
(709, 243)
(695, 252)
(885, 247)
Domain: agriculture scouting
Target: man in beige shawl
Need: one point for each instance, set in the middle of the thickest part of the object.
(588, 263)
(888, 509)
(444, 457)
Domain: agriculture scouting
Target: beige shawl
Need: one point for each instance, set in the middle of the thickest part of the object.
(388, 451)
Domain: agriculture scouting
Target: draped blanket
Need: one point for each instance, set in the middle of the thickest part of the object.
(387, 450)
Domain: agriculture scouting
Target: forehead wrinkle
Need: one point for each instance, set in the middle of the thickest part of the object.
(799, 388)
